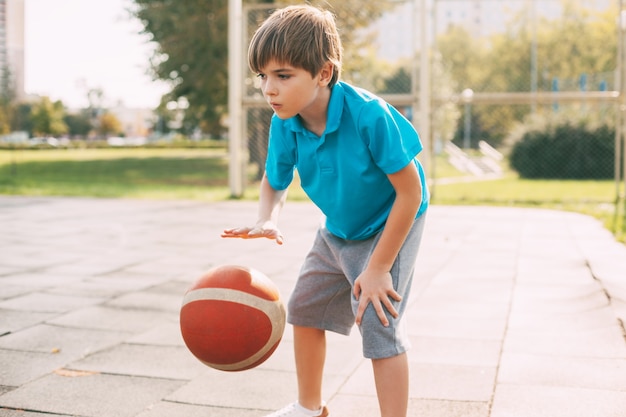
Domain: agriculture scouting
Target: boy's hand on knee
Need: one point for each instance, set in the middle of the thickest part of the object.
(376, 288)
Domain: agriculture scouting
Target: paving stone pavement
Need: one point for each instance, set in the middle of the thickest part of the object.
(514, 313)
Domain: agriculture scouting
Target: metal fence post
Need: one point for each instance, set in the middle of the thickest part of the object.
(237, 162)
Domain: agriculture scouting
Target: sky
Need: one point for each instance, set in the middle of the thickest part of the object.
(72, 46)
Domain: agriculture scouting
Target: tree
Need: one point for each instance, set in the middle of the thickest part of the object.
(47, 118)
(462, 56)
(191, 53)
(109, 124)
(7, 96)
(21, 119)
(78, 124)
(5, 125)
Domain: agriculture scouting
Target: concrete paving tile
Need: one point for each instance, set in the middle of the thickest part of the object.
(28, 366)
(255, 389)
(167, 268)
(130, 281)
(581, 321)
(616, 287)
(427, 306)
(39, 280)
(38, 258)
(47, 303)
(450, 382)
(252, 389)
(433, 381)
(535, 271)
(6, 270)
(554, 300)
(14, 320)
(166, 334)
(607, 342)
(86, 268)
(170, 409)
(550, 291)
(478, 290)
(5, 412)
(148, 301)
(89, 395)
(470, 266)
(108, 318)
(438, 408)
(456, 327)
(96, 287)
(619, 308)
(173, 287)
(53, 339)
(521, 369)
(283, 360)
(455, 351)
(343, 353)
(168, 362)
(610, 267)
(543, 401)
(345, 405)
(11, 290)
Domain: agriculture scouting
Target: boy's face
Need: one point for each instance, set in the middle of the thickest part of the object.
(291, 91)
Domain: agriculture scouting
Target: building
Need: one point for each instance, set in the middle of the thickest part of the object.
(136, 122)
(12, 46)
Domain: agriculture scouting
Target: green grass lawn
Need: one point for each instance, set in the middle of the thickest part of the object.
(131, 173)
(512, 190)
(203, 174)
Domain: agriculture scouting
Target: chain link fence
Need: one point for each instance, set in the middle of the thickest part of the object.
(525, 89)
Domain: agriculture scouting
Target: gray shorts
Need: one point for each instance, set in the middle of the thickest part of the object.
(323, 299)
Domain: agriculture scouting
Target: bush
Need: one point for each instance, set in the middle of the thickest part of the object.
(565, 151)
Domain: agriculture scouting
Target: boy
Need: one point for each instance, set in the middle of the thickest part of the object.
(355, 155)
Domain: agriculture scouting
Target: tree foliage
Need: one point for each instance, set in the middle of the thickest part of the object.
(579, 42)
(78, 124)
(191, 53)
(21, 118)
(565, 150)
(109, 124)
(47, 118)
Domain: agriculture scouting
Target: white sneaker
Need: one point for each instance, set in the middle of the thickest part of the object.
(296, 410)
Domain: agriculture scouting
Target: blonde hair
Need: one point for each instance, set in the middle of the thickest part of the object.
(302, 36)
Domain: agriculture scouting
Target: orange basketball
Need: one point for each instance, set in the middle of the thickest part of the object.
(232, 318)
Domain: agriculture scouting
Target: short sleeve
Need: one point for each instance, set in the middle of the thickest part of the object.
(391, 138)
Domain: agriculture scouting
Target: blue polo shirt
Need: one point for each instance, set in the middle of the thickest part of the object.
(344, 172)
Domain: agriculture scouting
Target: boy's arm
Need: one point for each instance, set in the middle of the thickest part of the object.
(374, 284)
(270, 203)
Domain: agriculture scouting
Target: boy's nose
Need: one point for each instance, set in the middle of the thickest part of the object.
(268, 89)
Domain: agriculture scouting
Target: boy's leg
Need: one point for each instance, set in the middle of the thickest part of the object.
(392, 385)
(310, 355)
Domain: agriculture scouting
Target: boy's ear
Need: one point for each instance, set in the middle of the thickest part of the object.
(326, 74)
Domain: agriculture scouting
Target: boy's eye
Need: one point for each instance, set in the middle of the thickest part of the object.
(283, 76)
(261, 76)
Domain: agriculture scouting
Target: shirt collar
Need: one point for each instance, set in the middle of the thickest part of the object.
(333, 115)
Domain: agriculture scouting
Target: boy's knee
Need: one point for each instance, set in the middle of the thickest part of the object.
(380, 341)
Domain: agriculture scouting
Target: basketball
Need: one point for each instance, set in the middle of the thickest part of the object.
(232, 318)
